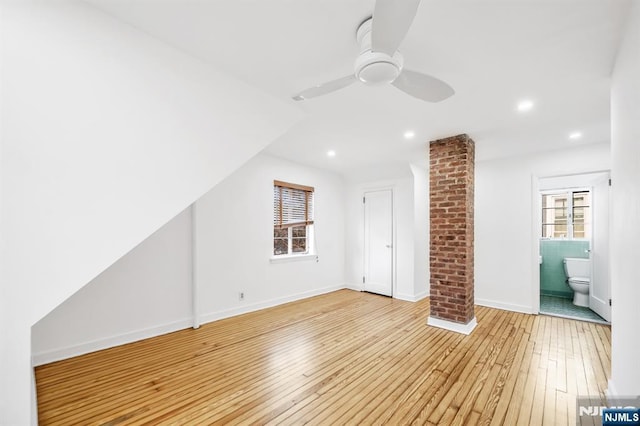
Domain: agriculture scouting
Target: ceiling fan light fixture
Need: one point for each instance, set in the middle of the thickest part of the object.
(378, 73)
(379, 61)
(375, 68)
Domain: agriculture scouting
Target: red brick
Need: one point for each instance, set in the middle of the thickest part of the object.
(451, 177)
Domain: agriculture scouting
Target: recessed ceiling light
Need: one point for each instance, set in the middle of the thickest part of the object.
(331, 153)
(525, 105)
(575, 135)
(409, 134)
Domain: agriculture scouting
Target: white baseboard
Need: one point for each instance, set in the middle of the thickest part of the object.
(411, 297)
(215, 316)
(108, 342)
(453, 326)
(351, 286)
(504, 306)
(422, 295)
(400, 296)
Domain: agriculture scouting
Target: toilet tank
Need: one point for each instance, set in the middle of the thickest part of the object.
(577, 267)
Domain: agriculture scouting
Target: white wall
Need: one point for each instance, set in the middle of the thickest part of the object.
(107, 134)
(421, 273)
(234, 240)
(504, 240)
(625, 152)
(148, 291)
(404, 238)
(145, 293)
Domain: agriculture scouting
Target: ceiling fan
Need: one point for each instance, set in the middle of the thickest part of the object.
(379, 61)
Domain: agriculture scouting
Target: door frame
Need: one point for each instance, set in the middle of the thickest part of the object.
(536, 225)
(595, 248)
(394, 234)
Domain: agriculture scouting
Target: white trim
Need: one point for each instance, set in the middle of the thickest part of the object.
(355, 287)
(394, 233)
(134, 336)
(505, 306)
(411, 297)
(227, 313)
(284, 258)
(536, 226)
(109, 342)
(195, 305)
(453, 326)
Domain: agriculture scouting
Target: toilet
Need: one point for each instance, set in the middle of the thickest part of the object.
(578, 272)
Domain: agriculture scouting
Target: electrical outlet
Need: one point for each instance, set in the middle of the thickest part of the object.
(241, 296)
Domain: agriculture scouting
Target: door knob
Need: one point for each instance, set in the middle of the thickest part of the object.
(388, 246)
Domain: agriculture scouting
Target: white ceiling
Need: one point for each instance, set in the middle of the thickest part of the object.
(558, 53)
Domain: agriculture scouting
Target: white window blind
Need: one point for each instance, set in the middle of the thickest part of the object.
(292, 204)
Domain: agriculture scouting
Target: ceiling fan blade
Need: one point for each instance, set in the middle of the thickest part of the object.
(391, 21)
(323, 89)
(423, 86)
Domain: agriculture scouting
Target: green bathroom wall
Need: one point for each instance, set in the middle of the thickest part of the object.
(553, 281)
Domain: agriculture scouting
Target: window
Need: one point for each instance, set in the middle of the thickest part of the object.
(292, 219)
(566, 214)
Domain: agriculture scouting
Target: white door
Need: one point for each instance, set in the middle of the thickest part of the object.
(378, 242)
(599, 290)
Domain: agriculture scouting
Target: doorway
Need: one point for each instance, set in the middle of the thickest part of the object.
(573, 230)
(378, 242)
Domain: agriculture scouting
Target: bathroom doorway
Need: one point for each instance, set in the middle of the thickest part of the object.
(574, 246)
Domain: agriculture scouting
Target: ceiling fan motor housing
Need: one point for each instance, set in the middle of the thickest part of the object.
(375, 67)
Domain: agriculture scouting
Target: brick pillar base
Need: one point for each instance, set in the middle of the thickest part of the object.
(451, 179)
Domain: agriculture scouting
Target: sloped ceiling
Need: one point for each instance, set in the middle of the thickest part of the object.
(558, 53)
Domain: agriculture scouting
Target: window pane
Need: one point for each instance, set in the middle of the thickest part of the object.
(582, 214)
(299, 232)
(280, 241)
(557, 230)
(299, 245)
(579, 214)
(555, 215)
(560, 231)
(554, 231)
(299, 239)
(559, 221)
(581, 199)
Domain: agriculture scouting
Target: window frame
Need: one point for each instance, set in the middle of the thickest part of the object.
(570, 217)
(307, 222)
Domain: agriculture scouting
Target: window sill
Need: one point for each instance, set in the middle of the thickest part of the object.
(293, 258)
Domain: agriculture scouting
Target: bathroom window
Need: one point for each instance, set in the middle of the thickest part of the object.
(292, 219)
(566, 214)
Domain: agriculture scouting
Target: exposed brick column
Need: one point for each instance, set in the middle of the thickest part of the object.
(451, 180)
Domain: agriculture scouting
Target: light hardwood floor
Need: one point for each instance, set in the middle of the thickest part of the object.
(341, 358)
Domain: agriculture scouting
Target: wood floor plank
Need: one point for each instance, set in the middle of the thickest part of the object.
(496, 409)
(340, 358)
